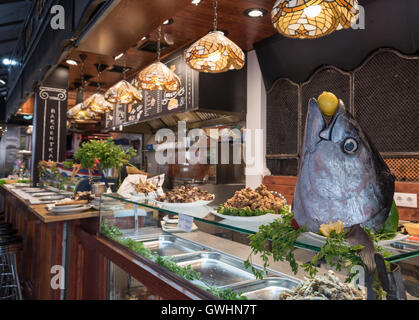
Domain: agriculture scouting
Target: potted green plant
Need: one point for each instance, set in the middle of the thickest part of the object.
(110, 156)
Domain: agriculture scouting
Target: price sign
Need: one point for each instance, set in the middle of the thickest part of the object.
(185, 223)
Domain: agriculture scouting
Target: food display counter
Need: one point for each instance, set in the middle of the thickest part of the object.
(49, 244)
(205, 253)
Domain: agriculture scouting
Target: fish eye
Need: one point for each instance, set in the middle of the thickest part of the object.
(350, 146)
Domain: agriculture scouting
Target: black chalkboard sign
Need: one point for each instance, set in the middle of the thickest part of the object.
(157, 104)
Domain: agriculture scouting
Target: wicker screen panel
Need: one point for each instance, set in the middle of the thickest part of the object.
(405, 169)
(386, 101)
(326, 79)
(282, 118)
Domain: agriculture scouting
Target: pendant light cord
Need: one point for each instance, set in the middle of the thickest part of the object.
(98, 78)
(215, 15)
(125, 68)
(158, 43)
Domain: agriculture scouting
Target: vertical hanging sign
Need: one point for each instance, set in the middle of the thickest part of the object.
(51, 112)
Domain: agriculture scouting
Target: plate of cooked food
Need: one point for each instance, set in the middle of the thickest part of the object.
(250, 205)
(184, 197)
(68, 207)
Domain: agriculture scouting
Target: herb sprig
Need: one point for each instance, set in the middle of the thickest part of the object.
(282, 234)
(186, 273)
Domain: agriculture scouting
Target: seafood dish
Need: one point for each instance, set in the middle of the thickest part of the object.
(327, 287)
(185, 194)
(249, 202)
(85, 195)
(342, 176)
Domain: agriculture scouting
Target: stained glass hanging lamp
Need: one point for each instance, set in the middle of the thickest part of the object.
(123, 92)
(158, 76)
(309, 19)
(215, 53)
(96, 102)
(78, 112)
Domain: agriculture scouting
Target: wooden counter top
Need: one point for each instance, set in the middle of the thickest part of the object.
(41, 212)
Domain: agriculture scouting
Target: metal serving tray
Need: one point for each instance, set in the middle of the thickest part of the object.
(216, 269)
(266, 289)
(169, 246)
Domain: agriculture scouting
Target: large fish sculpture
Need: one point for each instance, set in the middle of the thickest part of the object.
(341, 176)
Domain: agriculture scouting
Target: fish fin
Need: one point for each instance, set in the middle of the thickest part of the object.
(358, 236)
(391, 280)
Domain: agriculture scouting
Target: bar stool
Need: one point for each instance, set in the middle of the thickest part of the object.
(10, 245)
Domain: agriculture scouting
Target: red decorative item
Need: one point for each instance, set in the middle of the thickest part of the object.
(295, 224)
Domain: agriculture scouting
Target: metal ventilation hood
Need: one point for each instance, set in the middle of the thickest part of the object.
(193, 119)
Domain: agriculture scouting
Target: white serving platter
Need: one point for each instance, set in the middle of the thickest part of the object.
(65, 211)
(268, 217)
(322, 239)
(174, 206)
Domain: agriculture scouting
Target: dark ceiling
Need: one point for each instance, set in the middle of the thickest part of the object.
(12, 17)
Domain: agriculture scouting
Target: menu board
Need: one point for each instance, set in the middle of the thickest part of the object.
(159, 103)
(119, 114)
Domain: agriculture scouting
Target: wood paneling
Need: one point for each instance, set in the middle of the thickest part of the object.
(286, 185)
(122, 28)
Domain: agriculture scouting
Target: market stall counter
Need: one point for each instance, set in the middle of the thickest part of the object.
(192, 250)
(50, 260)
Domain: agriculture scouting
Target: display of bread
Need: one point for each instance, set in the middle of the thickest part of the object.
(185, 194)
(249, 202)
(134, 170)
(145, 187)
(70, 203)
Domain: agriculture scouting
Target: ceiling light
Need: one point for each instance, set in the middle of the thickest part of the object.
(71, 62)
(313, 19)
(97, 104)
(158, 76)
(119, 56)
(255, 13)
(2, 82)
(196, 2)
(123, 93)
(215, 53)
(9, 62)
(168, 21)
(313, 11)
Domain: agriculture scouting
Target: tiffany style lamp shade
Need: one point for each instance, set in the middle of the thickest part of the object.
(97, 104)
(214, 53)
(309, 19)
(158, 76)
(123, 93)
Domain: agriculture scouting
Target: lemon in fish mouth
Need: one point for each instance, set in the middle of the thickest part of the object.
(328, 103)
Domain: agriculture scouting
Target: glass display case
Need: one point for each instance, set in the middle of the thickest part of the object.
(207, 250)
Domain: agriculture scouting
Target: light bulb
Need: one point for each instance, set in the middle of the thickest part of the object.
(313, 11)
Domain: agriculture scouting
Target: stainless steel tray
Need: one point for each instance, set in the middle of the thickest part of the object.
(216, 269)
(167, 245)
(266, 289)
